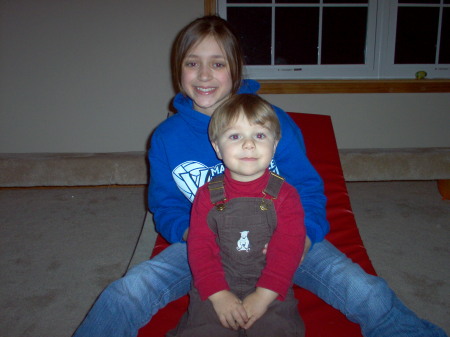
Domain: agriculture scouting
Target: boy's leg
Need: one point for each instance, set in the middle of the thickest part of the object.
(365, 299)
(128, 303)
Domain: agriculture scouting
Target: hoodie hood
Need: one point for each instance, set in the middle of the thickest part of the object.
(249, 87)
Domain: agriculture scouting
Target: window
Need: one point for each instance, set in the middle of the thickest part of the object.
(338, 39)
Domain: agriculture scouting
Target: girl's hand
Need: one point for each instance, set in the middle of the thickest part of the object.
(185, 234)
(256, 304)
(229, 309)
(307, 247)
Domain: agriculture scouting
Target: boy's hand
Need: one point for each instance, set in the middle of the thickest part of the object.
(229, 309)
(256, 304)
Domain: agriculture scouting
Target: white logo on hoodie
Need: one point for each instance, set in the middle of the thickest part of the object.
(190, 175)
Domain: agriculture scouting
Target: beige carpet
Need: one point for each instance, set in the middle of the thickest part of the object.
(405, 227)
(60, 247)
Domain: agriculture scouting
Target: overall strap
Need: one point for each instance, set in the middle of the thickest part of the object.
(274, 185)
(216, 189)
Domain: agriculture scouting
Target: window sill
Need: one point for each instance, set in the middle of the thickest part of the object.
(353, 86)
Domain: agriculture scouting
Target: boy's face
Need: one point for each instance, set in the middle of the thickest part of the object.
(206, 77)
(246, 149)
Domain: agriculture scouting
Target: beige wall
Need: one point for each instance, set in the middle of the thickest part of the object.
(93, 76)
(379, 120)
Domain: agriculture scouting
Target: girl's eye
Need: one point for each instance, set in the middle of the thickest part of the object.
(191, 64)
(218, 65)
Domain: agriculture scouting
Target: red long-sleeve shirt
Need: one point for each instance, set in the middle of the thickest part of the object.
(284, 250)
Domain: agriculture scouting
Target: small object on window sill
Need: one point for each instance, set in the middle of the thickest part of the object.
(420, 75)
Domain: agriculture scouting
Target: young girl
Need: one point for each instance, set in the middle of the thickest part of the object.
(233, 217)
(207, 69)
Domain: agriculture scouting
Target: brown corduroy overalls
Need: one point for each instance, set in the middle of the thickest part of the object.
(243, 226)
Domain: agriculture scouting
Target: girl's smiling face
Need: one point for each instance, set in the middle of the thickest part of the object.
(205, 76)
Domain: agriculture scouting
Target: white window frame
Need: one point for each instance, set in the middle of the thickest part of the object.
(387, 67)
(380, 43)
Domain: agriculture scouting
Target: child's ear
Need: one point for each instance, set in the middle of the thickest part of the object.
(217, 149)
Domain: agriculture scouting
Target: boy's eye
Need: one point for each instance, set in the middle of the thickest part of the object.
(260, 135)
(234, 137)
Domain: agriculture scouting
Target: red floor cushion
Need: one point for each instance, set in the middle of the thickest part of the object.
(321, 320)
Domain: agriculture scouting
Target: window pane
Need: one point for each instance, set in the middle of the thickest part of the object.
(296, 35)
(444, 53)
(345, 1)
(255, 38)
(297, 2)
(249, 1)
(344, 35)
(419, 1)
(416, 39)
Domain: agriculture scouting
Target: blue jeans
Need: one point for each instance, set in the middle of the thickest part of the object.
(129, 303)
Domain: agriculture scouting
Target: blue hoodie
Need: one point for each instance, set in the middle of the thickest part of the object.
(182, 159)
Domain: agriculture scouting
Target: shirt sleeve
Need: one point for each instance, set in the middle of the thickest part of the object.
(170, 208)
(203, 251)
(286, 246)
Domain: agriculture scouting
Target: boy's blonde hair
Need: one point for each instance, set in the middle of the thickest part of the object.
(197, 31)
(254, 108)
